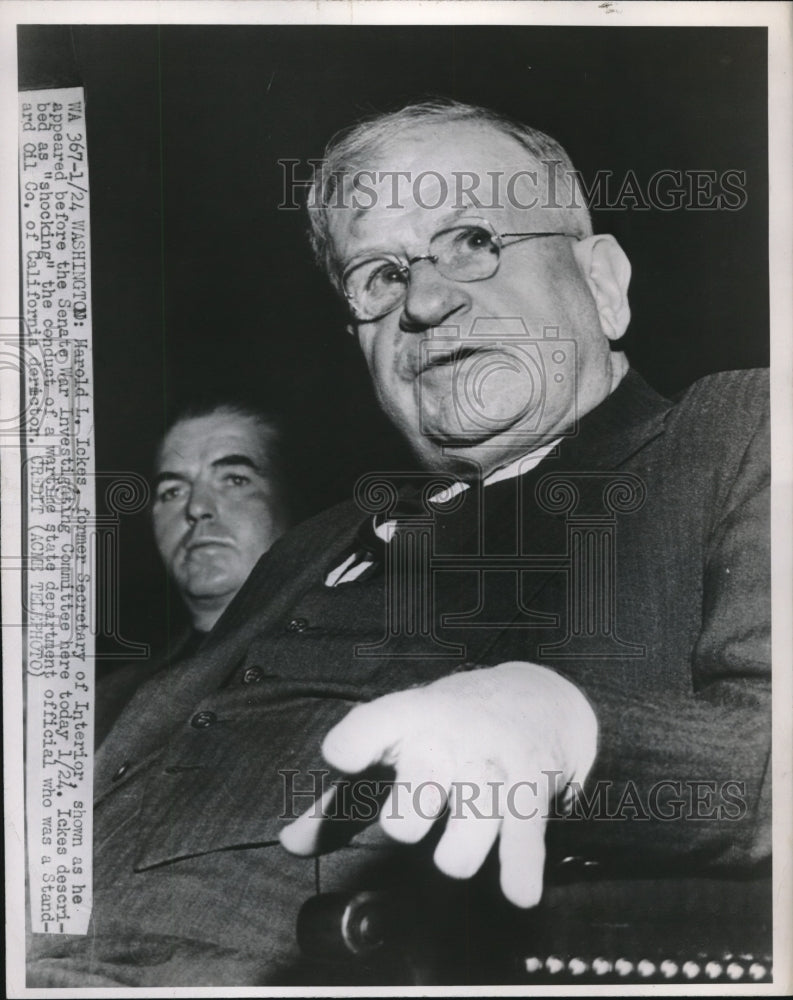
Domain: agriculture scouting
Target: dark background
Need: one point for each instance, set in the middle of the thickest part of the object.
(201, 283)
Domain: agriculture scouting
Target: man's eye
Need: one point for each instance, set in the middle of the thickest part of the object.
(385, 273)
(169, 493)
(473, 238)
(237, 479)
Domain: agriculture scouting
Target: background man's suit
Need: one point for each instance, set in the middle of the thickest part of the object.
(188, 784)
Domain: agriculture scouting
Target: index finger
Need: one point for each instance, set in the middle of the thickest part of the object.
(521, 854)
(369, 734)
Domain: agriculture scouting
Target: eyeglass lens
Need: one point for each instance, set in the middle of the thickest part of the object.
(463, 253)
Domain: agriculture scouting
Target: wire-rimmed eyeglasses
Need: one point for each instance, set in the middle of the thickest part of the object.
(376, 283)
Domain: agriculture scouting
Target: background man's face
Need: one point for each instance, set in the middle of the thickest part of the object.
(214, 508)
(490, 395)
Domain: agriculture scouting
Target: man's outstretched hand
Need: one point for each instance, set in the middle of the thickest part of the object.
(483, 742)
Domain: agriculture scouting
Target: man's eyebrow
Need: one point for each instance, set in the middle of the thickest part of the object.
(161, 477)
(236, 460)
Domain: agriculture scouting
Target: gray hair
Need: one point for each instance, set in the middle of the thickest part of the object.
(355, 147)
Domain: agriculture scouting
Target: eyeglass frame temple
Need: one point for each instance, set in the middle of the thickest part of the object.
(556, 232)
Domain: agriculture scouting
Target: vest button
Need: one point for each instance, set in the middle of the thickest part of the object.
(203, 720)
(298, 625)
(122, 770)
(253, 675)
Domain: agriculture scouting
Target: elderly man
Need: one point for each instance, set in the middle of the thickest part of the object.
(565, 620)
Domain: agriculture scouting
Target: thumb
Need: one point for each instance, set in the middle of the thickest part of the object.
(369, 734)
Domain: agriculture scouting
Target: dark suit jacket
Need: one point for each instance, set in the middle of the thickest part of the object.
(686, 698)
(670, 643)
(115, 687)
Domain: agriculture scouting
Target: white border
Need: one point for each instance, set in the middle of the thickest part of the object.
(778, 17)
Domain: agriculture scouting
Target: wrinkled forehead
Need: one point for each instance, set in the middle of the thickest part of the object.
(426, 177)
(199, 441)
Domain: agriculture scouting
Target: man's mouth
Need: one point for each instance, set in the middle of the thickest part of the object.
(205, 542)
(443, 359)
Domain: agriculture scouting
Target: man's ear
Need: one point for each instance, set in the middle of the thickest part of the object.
(607, 271)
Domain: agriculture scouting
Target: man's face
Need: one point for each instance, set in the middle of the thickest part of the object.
(466, 370)
(214, 509)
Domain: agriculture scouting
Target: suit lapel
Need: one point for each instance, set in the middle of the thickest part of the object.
(586, 464)
(517, 517)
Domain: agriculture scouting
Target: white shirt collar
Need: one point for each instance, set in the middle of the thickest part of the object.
(519, 467)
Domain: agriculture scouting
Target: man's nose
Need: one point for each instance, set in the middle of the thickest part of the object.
(431, 299)
(201, 504)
